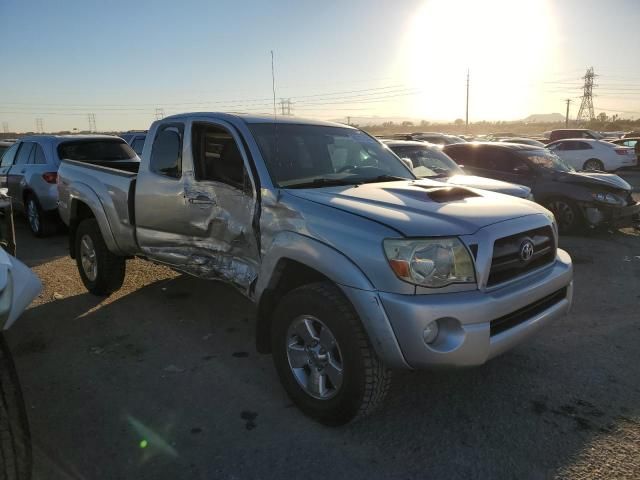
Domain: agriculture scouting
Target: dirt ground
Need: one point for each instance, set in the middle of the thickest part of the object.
(162, 381)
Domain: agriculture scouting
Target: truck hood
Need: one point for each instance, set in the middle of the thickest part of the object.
(490, 184)
(422, 207)
(596, 179)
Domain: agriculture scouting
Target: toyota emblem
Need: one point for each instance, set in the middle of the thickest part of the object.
(526, 250)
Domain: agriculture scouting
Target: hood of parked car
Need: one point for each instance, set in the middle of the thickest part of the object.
(423, 207)
(490, 184)
(597, 179)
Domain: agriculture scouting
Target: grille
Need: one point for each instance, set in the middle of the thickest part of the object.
(507, 264)
(506, 322)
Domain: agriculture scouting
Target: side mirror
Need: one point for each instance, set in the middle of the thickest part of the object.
(407, 162)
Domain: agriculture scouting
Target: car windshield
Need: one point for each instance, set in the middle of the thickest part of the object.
(312, 156)
(547, 159)
(88, 150)
(428, 162)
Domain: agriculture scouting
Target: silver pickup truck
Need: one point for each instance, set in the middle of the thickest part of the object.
(356, 266)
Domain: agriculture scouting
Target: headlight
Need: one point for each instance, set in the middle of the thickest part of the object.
(434, 262)
(609, 198)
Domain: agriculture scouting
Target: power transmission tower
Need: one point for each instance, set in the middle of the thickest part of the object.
(285, 106)
(159, 113)
(92, 122)
(566, 117)
(39, 125)
(586, 107)
(5, 127)
(466, 120)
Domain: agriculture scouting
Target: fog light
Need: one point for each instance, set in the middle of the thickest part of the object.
(430, 332)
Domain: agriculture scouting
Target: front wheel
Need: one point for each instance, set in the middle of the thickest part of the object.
(101, 271)
(566, 213)
(323, 356)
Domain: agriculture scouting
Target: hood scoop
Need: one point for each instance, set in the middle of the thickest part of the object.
(436, 194)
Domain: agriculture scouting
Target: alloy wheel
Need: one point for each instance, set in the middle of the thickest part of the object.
(88, 258)
(314, 357)
(33, 216)
(564, 214)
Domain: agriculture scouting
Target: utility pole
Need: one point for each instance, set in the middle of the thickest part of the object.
(285, 106)
(159, 113)
(5, 127)
(466, 122)
(92, 122)
(39, 125)
(348, 120)
(566, 117)
(586, 107)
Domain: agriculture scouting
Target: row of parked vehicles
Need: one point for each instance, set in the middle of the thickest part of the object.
(361, 255)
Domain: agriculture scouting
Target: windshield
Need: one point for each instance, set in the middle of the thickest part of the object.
(316, 156)
(547, 159)
(106, 150)
(428, 162)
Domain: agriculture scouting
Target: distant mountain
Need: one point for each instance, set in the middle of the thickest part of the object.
(544, 118)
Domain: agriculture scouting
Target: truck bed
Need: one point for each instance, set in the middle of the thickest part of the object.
(109, 191)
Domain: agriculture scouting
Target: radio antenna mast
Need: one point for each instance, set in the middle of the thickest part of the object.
(273, 84)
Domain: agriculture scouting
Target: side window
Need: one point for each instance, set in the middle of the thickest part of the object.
(24, 153)
(137, 145)
(216, 156)
(462, 156)
(582, 146)
(166, 152)
(38, 155)
(9, 155)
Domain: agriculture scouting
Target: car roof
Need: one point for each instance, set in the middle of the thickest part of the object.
(410, 143)
(589, 140)
(505, 145)
(56, 139)
(250, 118)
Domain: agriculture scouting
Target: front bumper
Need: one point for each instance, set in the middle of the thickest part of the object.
(597, 215)
(465, 318)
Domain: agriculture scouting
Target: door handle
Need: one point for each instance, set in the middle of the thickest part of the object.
(201, 200)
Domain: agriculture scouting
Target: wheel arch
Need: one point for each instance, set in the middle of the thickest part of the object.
(88, 207)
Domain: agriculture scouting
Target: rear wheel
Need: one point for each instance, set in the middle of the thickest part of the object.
(15, 441)
(39, 222)
(593, 164)
(101, 271)
(566, 213)
(323, 356)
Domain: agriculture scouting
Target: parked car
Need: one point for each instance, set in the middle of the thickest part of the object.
(434, 138)
(18, 287)
(588, 154)
(4, 146)
(575, 198)
(563, 133)
(429, 161)
(29, 170)
(523, 141)
(294, 213)
(136, 139)
(630, 142)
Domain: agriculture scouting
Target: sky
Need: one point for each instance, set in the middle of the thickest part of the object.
(127, 62)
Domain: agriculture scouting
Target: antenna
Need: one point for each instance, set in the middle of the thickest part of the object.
(273, 84)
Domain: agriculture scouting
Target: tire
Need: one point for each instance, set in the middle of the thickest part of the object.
(101, 271)
(15, 440)
(567, 214)
(364, 381)
(593, 164)
(40, 224)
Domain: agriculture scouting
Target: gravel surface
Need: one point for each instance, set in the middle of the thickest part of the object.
(161, 381)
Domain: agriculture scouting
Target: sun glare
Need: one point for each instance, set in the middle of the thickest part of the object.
(504, 43)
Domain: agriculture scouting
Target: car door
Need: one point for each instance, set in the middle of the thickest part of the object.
(7, 161)
(16, 174)
(509, 167)
(209, 231)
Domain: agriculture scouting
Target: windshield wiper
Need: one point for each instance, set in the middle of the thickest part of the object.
(384, 178)
(321, 182)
